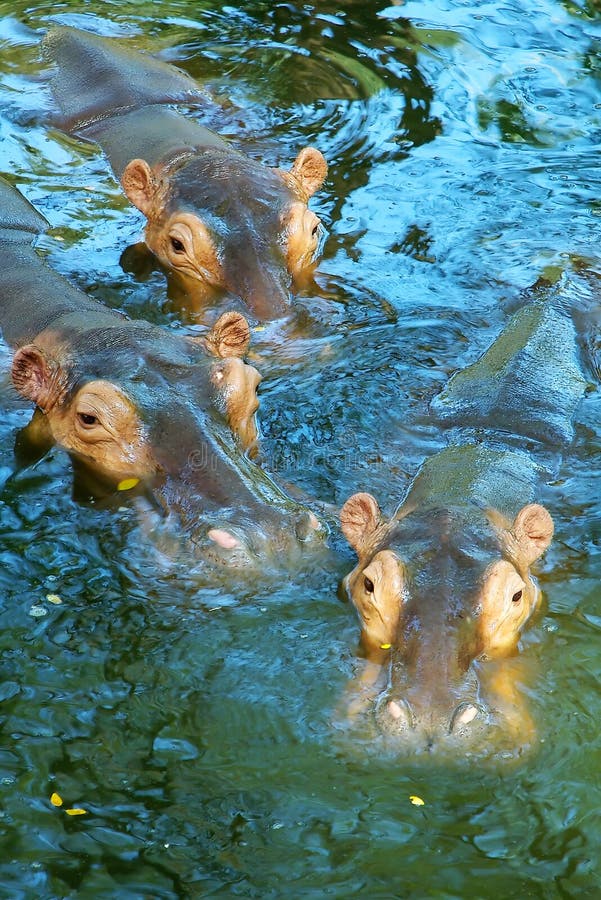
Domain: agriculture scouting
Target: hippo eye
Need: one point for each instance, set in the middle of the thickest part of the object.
(315, 231)
(516, 597)
(87, 420)
(177, 245)
(368, 585)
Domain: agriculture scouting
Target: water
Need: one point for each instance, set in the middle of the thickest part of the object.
(195, 721)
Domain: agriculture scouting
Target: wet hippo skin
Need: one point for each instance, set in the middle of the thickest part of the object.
(79, 361)
(443, 588)
(215, 218)
(133, 401)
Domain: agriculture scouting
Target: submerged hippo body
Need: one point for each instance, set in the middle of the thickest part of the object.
(134, 402)
(216, 218)
(443, 588)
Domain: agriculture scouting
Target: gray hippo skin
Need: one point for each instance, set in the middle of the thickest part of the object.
(135, 402)
(216, 218)
(443, 588)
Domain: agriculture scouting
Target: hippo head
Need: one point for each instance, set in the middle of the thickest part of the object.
(229, 223)
(443, 594)
(133, 400)
(134, 404)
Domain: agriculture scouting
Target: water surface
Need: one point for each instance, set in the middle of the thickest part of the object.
(194, 719)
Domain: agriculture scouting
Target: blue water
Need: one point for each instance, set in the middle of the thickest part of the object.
(196, 720)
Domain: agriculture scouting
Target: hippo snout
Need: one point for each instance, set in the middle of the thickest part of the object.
(260, 279)
(431, 727)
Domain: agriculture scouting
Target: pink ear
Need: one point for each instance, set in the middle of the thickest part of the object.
(359, 518)
(229, 336)
(139, 184)
(533, 530)
(37, 378)
(310, 170)
(223, 538)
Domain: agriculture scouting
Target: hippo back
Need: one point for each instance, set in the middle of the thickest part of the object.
(96, 79)
(474, 475)
(528, 384)
(19, 221)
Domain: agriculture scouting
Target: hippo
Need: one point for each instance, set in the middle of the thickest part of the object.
(216, 219)
(443, 588)
(145, 408)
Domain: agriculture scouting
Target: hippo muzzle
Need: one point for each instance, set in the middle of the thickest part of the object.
(257, 274)
(420, 729)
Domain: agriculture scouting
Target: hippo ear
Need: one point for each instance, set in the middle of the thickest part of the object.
(229, 336)
(532, 531)
(360, 517)
(310, 170)
(139, 184)
(38, 378)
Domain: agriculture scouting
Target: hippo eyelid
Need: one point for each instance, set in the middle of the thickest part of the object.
(87, 420)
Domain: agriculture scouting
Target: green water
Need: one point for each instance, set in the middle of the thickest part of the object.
(194, 718)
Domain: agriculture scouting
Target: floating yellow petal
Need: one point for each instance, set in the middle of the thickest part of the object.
(417, 801)
(56, 800)
(53, 598)
(385, 646)
(127, 484)
(76, 812)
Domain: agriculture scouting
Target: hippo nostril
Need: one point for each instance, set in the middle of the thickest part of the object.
(314, 521)
(463, 715)
(223, 538)
(307, 526)
(399, 712)
(395, 710)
